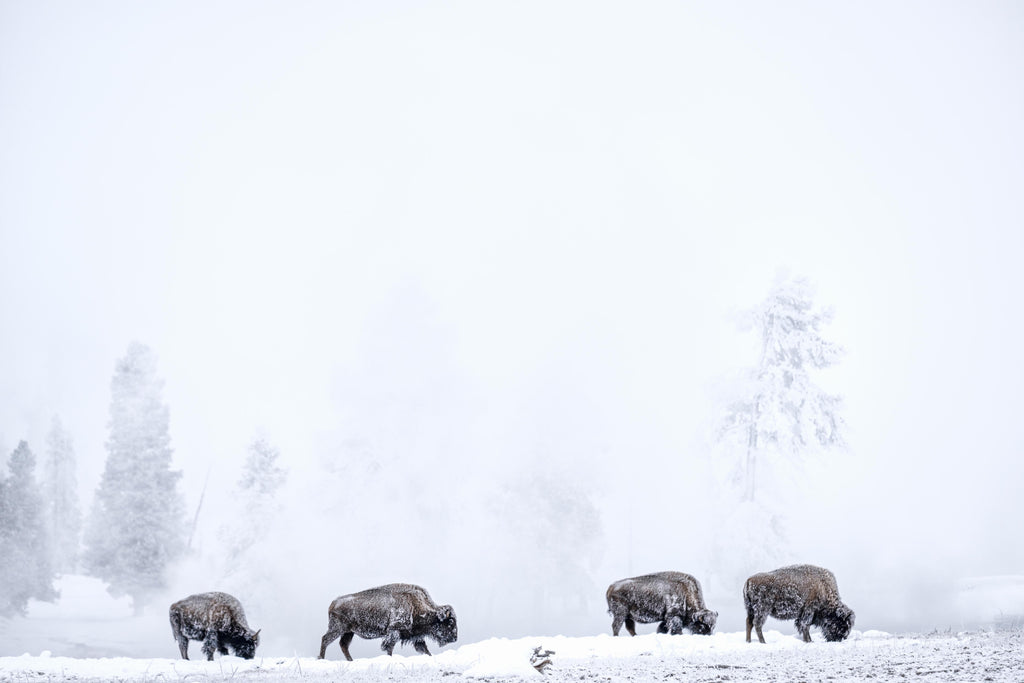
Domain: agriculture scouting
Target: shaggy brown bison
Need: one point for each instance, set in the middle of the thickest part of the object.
(395, 612)
(802, 592)
(673, 599)
(218, 620)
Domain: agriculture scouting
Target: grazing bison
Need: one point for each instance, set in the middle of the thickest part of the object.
(802, 592)
(395, 612)
(673, 599)
(218, 620)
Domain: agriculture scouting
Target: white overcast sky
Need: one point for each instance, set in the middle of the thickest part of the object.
(277, 196)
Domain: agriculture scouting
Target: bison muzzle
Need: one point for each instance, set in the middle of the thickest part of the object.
(673, 599)
(395, 612)
(218, 620)
(802, 592)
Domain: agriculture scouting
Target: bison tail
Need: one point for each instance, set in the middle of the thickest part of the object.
(611, 611)
(175, 619)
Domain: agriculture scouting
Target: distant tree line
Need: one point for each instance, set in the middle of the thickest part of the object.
(39, 522)
(776, 417)
(135, 528)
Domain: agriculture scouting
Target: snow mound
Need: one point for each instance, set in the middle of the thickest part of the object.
(81, 597)
(871, 634)
(501, 668)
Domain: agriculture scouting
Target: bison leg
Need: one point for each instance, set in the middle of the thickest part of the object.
(750, 623)
(333, 631)
(388, 645)
(758, 623)
(662, 627)
(210, 644)
(803, 625)
(421, 647)
(176, 632)
(631, 626)
(675, 625)
(346, 640)
(617, 619)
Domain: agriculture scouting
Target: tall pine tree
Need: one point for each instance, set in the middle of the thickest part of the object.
(251, 539)
(778, 416)
(60, 491)
(136, 528)
(25, 569)
(782, 414)
(255, 501)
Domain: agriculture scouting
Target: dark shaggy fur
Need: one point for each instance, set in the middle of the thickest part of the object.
(218, 620)
(802, 592)
(395, 612)
(673, 599)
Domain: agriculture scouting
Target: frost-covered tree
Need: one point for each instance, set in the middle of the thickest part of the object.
(261, 475)
(60, 493)
(776, 417)
(25, 569)
(254, 536)
(136, 525)
(781, 414)
(255, 503)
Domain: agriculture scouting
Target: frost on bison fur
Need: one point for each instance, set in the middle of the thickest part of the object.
(802, 592)
(395, 612)
(218, 620)
(673, 599)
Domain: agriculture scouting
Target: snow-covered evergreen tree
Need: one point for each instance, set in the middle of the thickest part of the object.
(136, 526)
(25, 569)
(781, 414)
(255, 500)
(777, 416)
(60, 492)
(261, 476)
(253, 536)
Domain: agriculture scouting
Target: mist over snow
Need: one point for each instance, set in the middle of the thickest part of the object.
(475, 271)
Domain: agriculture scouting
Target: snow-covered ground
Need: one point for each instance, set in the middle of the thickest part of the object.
(88, 636)
(871, 655)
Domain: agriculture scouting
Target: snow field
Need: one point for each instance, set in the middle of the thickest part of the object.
(869, 655)
(98, 631)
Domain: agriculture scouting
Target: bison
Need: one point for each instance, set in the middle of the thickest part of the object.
(218, 620)
(673, 599)
(802, 592)
(395, 612)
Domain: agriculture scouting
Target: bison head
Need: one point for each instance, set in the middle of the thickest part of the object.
(702, 622)
(245, 645)
(837, 623)
(446, 629)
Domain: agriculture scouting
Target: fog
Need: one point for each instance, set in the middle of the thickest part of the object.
(444, 256)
